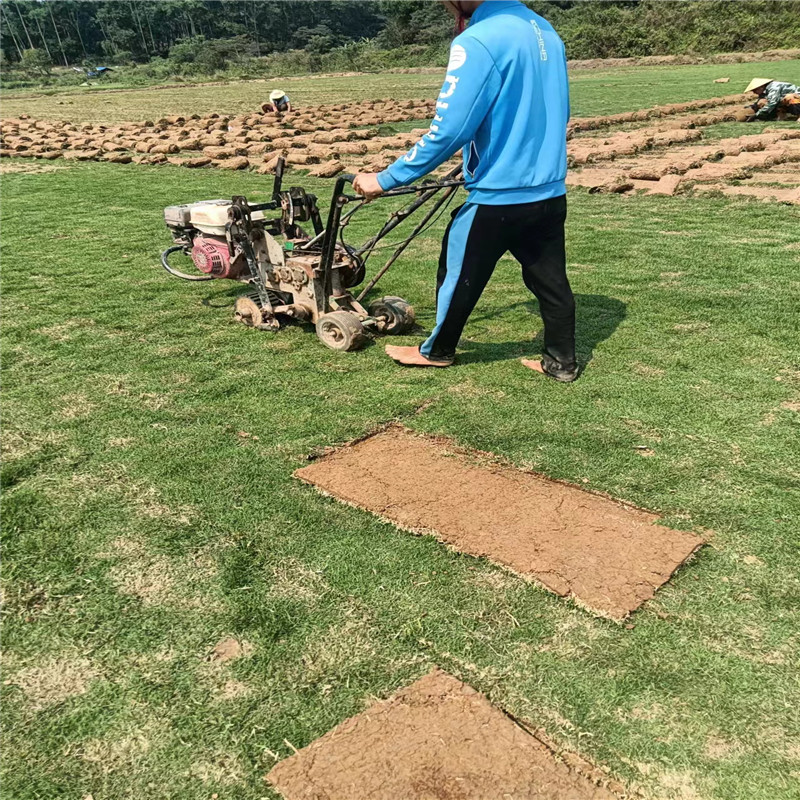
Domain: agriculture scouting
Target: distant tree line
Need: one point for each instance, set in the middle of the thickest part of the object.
(206, 36)
(75, 31)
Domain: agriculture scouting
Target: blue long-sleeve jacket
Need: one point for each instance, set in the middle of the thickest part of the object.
(505, 101)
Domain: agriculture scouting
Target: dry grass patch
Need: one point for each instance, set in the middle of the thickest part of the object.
(10, 167)
(224, 769)
(153, 665)
(126, 751)
(233, 689)
(646, 371)
(680, 785)
(496, 580)
(153, 582)
(792, 751)
(214, 670)
(718, 749)
(639, 428)
(55, 680)
(75, 406)
(294, 580)
(748, 644)
(145, 500)
(691, 327)
(573, 637)
(154, 401)
(648, 712)
(62, 332)
(181, 582)
(15, 444)
(338, 649)
(670, 279)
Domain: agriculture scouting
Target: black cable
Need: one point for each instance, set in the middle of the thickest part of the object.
(431, 222)
(177, 273)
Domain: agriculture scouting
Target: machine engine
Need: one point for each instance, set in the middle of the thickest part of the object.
(232, 239)
(211, 256)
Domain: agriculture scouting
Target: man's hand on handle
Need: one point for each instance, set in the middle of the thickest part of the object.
(366, 184)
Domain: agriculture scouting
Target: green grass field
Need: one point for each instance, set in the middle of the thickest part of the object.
(149, 510)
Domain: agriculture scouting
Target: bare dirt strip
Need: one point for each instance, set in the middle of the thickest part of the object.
(659, 61)
(609, 557)
(437, 738)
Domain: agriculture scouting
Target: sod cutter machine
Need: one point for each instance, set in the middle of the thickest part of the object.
(307, 277)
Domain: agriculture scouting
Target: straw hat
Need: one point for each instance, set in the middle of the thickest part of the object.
(754, 84)
(279, 94)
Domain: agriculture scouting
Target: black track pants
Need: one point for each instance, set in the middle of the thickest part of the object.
(475, 240)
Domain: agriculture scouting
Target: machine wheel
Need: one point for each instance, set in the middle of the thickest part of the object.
(396, 315)
(249, 312)
(341, 330)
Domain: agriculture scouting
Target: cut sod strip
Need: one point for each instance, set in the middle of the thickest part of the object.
(611, 558)
(437, 738)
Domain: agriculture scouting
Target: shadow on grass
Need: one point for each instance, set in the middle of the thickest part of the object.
(598, 317)
(223, 298)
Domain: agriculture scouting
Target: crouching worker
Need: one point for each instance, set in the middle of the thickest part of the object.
(777, 100)
(278, 102)
(505, 101)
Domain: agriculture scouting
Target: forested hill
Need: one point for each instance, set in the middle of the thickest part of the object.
(199, 37)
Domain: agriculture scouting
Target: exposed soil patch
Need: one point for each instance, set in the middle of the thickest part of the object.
(609, 557)
(437, 739)
(152, 581)
(229, 649)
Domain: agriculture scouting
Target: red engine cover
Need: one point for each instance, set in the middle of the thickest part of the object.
(210, 255)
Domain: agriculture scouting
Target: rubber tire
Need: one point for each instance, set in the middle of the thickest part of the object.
(341, 330)
(398, 313)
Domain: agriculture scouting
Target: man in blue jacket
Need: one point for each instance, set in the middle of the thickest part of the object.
(505, 102)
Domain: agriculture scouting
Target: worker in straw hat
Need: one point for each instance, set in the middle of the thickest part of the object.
(776, 99)
(278, 102)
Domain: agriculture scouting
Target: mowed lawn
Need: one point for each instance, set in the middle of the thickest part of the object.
(150, 510)
(593, 91)
(150, 513)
